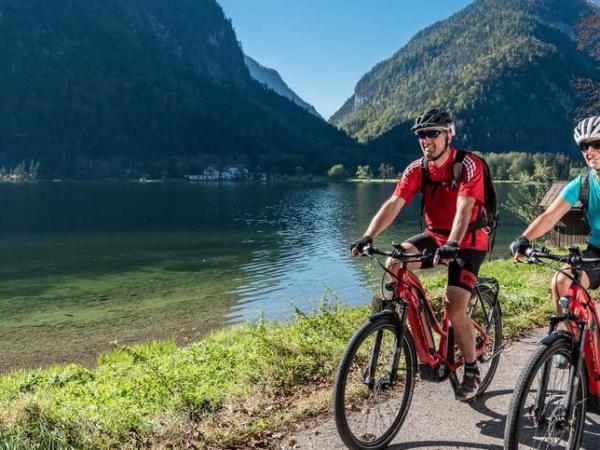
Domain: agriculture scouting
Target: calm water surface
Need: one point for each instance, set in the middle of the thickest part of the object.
(128, 261)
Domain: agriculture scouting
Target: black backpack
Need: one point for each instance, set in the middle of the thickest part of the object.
(488, 217)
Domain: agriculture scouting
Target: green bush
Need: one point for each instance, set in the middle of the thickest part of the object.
(337, 172)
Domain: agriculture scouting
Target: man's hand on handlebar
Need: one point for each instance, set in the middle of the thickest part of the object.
(520, 247)
(446, 252)
(358, 246)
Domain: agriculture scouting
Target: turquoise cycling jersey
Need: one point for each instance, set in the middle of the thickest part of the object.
(570, 194)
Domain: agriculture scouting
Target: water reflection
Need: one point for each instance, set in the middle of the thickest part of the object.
(87, 263)
(309, 257)
(308, 253)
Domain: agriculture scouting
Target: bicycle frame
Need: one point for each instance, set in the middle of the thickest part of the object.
(581, 317)
(585, 331)
(410, 294)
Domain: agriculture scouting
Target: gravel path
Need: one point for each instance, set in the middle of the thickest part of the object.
(437, 421)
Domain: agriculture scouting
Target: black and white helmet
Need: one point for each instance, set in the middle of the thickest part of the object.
(587, 130)
(434, 118)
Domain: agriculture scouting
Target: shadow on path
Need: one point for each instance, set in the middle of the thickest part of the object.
(443, 444)
(494, 427)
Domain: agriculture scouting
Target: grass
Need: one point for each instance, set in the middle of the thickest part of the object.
(237, 385)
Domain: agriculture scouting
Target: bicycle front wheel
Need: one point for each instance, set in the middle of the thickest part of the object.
(484, 310)
(374, 385)
(536, 417)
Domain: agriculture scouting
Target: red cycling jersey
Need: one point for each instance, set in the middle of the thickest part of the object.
(440, 200)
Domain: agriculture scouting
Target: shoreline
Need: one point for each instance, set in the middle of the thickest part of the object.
(272, 180)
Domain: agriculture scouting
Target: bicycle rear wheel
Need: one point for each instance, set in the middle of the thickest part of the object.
(484, 310)
(536, 412)
(370, 398)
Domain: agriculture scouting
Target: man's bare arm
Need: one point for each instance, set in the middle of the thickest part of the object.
(385, 216)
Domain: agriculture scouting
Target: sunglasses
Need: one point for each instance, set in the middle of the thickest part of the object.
(585, 146)
(431, 134)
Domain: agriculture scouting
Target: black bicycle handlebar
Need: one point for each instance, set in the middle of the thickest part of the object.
(397, 253)
(574, 258)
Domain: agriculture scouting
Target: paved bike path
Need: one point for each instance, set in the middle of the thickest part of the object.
(437, 421)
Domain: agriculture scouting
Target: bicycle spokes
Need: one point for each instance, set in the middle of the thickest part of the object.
(485, 315)
(374, 386)
(372, 366)
(544, 423)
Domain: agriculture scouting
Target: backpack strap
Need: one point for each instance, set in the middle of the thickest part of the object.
(584, 193)
(457, 168)
(425, 180)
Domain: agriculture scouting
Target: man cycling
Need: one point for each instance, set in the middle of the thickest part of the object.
(452, 233)
(587, 136)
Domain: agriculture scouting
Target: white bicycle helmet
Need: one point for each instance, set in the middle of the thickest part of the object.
(587, 130)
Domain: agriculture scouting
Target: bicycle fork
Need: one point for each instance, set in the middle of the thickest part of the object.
(540, 406)
(400, 330)
(577, 353)
(575, 370)
(373, 359)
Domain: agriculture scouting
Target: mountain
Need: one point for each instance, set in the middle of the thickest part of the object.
(504, 68)
(122, 87)
(589, 37)
(272, 79)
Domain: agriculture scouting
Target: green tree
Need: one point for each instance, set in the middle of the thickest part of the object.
(337, 172)
(544, 174)
(589, 38)
(526, 204)
(33, 170)
(386, 171)
(521, 165)
(364, 172)
(20, 171)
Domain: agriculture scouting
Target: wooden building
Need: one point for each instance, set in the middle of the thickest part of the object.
(572, 228)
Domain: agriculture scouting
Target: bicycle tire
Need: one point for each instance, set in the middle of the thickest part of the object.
(492, 324)
(350, 396)
(515, 420)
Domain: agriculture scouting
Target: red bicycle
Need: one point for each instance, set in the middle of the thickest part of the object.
(562, 377)
(376, 375)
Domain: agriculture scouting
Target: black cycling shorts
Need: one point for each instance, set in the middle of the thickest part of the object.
(462, 271)
(593, 273)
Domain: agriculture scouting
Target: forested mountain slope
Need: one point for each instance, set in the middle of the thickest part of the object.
(272, 79)
(120, 87)
(505, 68)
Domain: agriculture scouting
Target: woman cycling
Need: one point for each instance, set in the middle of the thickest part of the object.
(587, 136)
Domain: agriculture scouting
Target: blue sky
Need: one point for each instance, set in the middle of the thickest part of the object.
(321, 48)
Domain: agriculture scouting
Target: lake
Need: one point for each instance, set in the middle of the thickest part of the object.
(90, 265)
